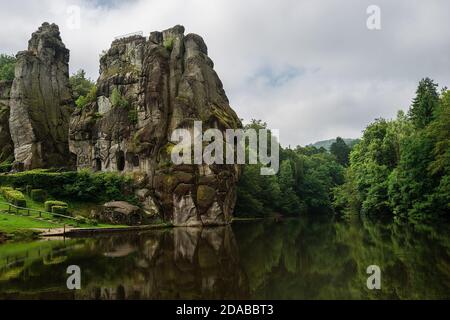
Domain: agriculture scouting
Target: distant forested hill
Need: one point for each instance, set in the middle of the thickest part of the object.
(327, 143)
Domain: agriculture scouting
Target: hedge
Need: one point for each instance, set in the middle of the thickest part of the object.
(81, 219)
(15, 197)
(81, 185)
(59, 210)
(39, 195)
(48, 205)
(84, 220)
(4, 189)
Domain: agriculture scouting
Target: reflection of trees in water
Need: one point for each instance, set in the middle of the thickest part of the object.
(415, 259)
(321, 258)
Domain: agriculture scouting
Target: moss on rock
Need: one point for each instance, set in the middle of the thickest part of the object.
(205, 196)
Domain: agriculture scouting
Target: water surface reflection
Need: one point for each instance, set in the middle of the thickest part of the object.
(308, 258)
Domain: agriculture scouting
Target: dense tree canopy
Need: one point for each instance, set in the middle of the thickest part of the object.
(303, 184)
(341, 151)
(399, 166)
(402, 166)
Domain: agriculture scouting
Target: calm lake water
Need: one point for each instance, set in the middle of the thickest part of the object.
(308, 258)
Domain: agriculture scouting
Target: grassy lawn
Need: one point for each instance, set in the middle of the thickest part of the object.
(16, 224)
(11, 222)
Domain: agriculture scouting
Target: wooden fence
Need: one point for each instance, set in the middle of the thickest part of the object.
(28, 211)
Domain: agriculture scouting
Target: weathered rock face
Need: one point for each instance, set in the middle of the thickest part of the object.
(165, 82)
(6, 144)
(121, 212)
(41, 102)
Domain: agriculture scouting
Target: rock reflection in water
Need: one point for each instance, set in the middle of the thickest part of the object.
(185, 263)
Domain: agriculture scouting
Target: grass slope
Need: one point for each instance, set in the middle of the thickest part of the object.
(18, 226)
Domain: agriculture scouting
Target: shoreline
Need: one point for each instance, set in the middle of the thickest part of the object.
(71, 232)
(81, 232)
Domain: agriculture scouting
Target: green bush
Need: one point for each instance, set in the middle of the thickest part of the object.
(39, 179)
(133, 116)
(99, 187)
(81, 219)
(39, 195)
(3, 191)
(168, 43)
(59, 210)
(15, 197)
(82, 101)
(83, 185)
(48, 205)
(5, 167)
(117, 100)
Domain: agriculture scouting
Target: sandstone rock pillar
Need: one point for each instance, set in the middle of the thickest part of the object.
(41, 102)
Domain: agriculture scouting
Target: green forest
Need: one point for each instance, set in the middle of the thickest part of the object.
(399, 166)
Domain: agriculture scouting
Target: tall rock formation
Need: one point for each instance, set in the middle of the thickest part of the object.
(146, 89)
(41, 102)
(6, 144)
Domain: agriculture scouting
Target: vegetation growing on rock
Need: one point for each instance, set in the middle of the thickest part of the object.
(90, 97)
(117, 100)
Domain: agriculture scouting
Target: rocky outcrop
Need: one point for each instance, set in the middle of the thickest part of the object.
(120, 212)
(41, 102)
(147, 88)
(6, 144)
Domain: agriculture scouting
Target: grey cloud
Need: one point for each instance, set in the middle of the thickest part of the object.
(309, 68)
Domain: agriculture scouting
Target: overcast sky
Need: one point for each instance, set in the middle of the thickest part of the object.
(309, 68)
